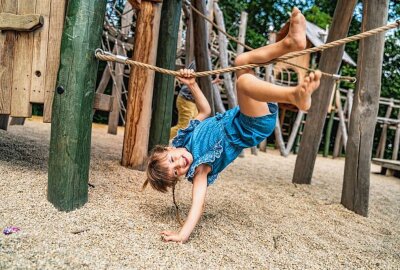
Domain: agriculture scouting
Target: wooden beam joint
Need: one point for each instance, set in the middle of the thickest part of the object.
(27, 23)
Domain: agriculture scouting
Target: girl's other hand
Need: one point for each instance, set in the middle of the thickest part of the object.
(186, 76)
(169, 236)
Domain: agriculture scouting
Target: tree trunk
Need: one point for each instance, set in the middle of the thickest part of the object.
(355, 192)
(330, 63)
(73, 103)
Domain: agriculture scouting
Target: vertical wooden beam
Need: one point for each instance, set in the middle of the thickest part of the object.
(73, 103)
(39, 57)
(140, 88)
(355, 192)
(7, 41)
(223, 56)
(23, 50)
(203, 60)
(164, 85)
(329, 62)
(113, 117)
(56, 22)
(396, 140)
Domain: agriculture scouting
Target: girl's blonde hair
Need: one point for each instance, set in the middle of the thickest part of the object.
(157, 174)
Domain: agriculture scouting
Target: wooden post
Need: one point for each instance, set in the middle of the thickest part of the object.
(329, 133)
(269, 78)
(210, 16)
(113, 117)
(355, 192)
(316, 117)
(203, 61)
(57, 14)
(72, 107)
(164, 85)
(396, 140)
(223, 57)
(140, 88)
(380, 151)
(7, 41)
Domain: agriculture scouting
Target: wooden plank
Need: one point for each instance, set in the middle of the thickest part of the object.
(330, 62)
(39, 59)
(140, 89)
(103, 102)
(72, 109)
(22, 69)
(356, 180)
(7, 41)
(28, 22)
(56, 23)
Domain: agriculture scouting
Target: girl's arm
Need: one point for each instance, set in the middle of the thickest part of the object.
(198, 198)
(201, 102)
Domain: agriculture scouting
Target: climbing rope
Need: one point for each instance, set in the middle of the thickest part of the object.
(107, 56)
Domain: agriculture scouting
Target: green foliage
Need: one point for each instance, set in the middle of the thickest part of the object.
(316, 16)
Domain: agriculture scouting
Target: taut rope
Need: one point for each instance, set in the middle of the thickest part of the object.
(107, 56)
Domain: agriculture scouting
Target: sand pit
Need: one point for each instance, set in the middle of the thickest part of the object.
(255, 217)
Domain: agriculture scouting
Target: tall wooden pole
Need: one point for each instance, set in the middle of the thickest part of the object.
(355, 193)
(73, 103)
(163, 96)
(203, 60)
(140, 88)
(330, 62)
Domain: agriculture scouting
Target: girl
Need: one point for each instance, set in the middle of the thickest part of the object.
(202, 150)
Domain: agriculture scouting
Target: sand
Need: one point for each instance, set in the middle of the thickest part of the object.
(255, 218)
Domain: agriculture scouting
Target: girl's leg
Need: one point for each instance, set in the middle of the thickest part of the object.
(295, 40)
(253, 92)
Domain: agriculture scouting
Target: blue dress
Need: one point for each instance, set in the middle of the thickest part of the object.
(218, 140)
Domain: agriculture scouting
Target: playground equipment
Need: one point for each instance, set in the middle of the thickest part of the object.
(73, 99)
(30, 55)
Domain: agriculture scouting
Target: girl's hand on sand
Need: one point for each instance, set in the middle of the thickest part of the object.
(186, 76)
(169, 236)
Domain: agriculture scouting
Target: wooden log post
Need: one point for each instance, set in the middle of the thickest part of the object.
(329, 62)
(140, 88)
(163, 97)
(7, 42)
(380, 151)
(355, 192)
(396, 139)
(72, 106)
(202, 56)
(223, 56)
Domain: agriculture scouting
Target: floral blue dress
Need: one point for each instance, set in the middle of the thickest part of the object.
(218, 140)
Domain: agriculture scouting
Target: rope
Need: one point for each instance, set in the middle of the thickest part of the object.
(107, 56)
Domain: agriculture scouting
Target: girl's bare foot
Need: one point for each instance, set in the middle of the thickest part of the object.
(303, 92)
(295, 40)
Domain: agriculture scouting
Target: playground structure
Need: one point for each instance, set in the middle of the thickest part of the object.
(73, 100)
(31, 56)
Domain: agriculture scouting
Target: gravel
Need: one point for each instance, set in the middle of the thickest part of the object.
(255, 218)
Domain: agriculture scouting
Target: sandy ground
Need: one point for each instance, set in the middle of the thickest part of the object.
(255, 217)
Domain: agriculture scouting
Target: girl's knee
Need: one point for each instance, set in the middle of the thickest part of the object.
(242, 83)
(241, 60)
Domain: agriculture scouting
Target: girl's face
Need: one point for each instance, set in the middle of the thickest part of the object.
(178, 161)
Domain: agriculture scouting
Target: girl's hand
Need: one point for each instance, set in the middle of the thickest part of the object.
(169, 236)
(186, 76)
